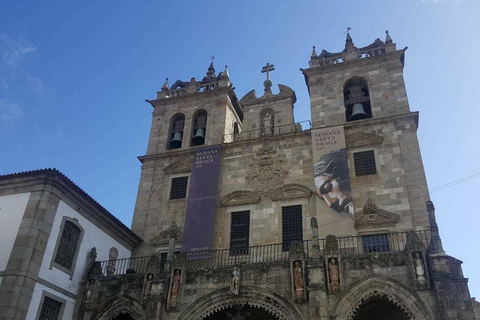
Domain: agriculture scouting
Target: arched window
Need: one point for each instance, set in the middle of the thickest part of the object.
(68, 245)
(357, 100)
(177, 123)
(199, 124)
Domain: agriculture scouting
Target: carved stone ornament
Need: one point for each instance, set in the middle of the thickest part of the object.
(331, 246)
(363, 139)
(284, 93)
(180, 166)
(240, 197)
(290, 191)
(376, 294)
(164, 237)
(414, 243)
(298, 280)
(266, 172)
(174, 292)
(371, 216)
(235, 282)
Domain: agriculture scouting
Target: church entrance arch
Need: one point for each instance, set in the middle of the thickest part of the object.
(252, 303)
(378, 297)
(380, 308)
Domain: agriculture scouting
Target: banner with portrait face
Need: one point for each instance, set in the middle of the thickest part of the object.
(330, 168)
(202, 200)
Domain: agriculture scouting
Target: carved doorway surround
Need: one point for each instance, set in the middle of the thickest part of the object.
(381, 292)
(255, 299)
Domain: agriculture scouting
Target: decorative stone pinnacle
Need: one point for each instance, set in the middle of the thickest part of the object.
(225, 72)
(388, 39)
(314, 53)
(349, 38)
(435, 243)
(211, 71)
(165, 85)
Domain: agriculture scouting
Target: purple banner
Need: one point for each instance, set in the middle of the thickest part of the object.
(202, 200)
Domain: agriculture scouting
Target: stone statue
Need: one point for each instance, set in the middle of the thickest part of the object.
(268, 125)
(175, 289)
(298, 281)
(419, 269)
(92, 256)
(112, 256)
(334, 273)
(235, 282)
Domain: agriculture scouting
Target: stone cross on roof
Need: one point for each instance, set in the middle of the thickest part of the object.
(267, 83)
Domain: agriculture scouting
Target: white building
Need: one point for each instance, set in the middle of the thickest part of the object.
(49, 227)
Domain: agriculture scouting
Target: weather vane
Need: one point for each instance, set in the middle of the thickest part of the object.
(348, 30)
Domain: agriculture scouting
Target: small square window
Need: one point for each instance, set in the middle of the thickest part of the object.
(50, 309)
(364, 163)
(376, 243)
(178, 189)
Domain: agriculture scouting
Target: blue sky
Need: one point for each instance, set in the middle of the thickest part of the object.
(74, 76)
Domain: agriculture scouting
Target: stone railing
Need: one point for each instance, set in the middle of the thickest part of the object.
(271, 253)
(286, 129)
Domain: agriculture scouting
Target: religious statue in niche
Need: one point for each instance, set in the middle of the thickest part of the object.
(334, 273)
(298, 281)
(235, 282)
(268, 125)
(175, 290)
(419, 269)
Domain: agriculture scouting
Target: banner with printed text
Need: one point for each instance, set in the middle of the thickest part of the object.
(202, 200)
(331, 173)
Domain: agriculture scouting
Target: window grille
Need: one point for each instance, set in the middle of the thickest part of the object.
(50, 309)
(239, 233)
(376, 243)
(67, 246)
(178, 189)
(364, 163)
(292, 229)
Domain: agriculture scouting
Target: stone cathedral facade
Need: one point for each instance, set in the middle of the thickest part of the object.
(246, 214)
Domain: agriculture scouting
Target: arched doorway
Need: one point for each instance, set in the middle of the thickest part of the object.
(123, 316)
(379, 309)
(252, 303)
(242, 313)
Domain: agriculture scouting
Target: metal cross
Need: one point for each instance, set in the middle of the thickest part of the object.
(269, 67)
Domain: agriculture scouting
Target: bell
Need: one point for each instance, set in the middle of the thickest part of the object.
(176, 141)
(199, 137)
(358, 112)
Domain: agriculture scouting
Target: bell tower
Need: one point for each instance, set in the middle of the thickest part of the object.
(187, 116)
(363, 91)
(194, 113)
(357, 83)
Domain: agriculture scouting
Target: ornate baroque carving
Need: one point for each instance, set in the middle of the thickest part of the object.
(266, 171)
(240, 197)
(180, 166)
(363, 139)
(290, 191)
(371, 216)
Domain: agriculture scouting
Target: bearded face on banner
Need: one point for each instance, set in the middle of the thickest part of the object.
(332, 181)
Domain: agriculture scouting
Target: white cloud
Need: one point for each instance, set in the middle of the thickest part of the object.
(9, 114)
(11, 51)
(55, 134)
(36, 84)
